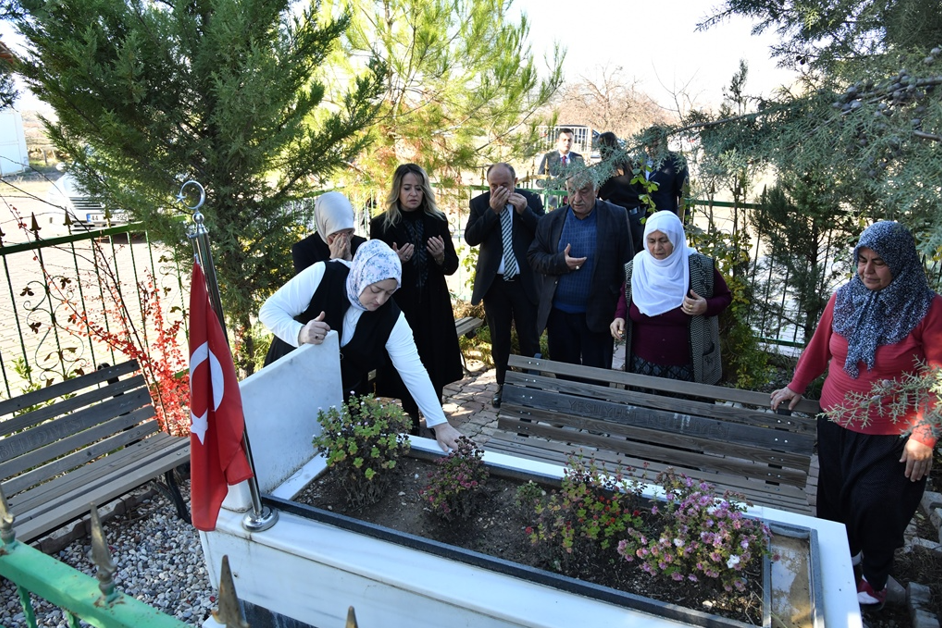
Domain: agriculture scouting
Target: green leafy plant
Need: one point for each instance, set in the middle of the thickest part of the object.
(698, 534)
(456, 482)
(591, 510)
(362, 442)
(912, 394)
(527, 497)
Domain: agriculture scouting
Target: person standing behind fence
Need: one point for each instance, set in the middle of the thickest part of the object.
(502, 221)
(877, 327)
(556, 162)
(667, 311)
(668, 169)
(414, 227)
(617, 172)
(333, 237)
(580, 252)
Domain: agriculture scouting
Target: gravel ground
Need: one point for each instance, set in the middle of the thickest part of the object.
(159, 560)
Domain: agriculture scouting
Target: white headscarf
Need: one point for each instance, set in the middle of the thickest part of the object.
(332, 213)
(660, 285)
(374, 261)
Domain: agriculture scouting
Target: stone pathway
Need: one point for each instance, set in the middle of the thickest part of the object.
(467, 403)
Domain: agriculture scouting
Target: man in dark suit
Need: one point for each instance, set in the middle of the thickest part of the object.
(555, 162)
(669, 170)
(580, 253)
(503, 278)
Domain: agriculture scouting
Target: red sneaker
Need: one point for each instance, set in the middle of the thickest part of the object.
(866, 596)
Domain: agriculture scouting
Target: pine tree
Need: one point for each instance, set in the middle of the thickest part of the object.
(148, 95)
(459, 89)
(866, 114)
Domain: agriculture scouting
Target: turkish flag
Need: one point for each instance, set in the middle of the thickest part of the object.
(216, 455)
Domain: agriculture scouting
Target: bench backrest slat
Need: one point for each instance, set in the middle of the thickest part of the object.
(66, 406)
(66, 387)
(115, 434)
(611, 376)
(692, 463)
(659, 444)
(709, 433)
(747, 416)
(74, 423)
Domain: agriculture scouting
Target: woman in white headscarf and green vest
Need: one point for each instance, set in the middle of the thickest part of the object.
(354, 299)
(667, 312)
(877, 328)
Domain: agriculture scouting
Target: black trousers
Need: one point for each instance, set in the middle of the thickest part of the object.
(861, 484)
(506, 304)
(570, 340)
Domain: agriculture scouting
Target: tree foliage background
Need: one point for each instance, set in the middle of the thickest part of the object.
(865, 118)
(148, 95)
(460, 87)
(608, 100)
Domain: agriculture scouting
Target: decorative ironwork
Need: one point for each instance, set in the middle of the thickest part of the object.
(101, 557)
(351, 618)
(228, 613)
(7, 533)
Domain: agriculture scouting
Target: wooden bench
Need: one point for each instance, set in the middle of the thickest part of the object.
(467, 326)
(725, 436)
(88, 439)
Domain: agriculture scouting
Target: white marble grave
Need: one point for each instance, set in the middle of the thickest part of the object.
(311, 571)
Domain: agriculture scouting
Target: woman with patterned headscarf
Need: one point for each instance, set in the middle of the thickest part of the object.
(354, 299)
(667, 312)
(878, 327)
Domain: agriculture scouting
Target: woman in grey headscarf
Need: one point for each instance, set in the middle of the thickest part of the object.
(333, 236)
(353, 299)
(876, 328)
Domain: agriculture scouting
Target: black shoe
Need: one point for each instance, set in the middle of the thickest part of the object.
(496, 400)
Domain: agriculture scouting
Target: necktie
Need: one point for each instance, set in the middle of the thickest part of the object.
(507, 237)
(565, 160)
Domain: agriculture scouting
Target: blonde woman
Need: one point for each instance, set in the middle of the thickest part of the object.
(414, 227)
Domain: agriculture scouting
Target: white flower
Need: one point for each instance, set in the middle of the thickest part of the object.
(679, 542)
(733, 561)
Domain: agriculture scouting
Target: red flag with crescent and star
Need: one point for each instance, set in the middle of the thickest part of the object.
(216, 455)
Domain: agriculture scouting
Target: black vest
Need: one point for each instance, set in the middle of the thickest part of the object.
(366, 351)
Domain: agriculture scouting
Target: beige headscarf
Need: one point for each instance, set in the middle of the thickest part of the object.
(332, 213)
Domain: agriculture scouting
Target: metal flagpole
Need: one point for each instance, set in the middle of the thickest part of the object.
(261, 517)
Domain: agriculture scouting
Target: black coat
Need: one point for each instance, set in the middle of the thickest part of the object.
(613, 250)
(671, 177)
(484, 229)
(313, 249)
(366, 349)
(427, 310)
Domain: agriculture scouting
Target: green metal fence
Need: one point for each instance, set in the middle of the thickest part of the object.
(47, 284)
(94, 601)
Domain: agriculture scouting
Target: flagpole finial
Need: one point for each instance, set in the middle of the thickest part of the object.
(199, 227)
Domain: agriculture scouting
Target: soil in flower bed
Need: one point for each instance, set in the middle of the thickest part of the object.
(500, 528)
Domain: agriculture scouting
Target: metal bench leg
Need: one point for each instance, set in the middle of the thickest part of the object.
(173, 491)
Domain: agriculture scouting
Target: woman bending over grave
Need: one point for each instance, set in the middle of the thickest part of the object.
(354, 299)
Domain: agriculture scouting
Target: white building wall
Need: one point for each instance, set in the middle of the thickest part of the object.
(14, 157)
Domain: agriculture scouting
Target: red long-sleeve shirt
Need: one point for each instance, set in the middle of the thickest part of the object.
(828, 349)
